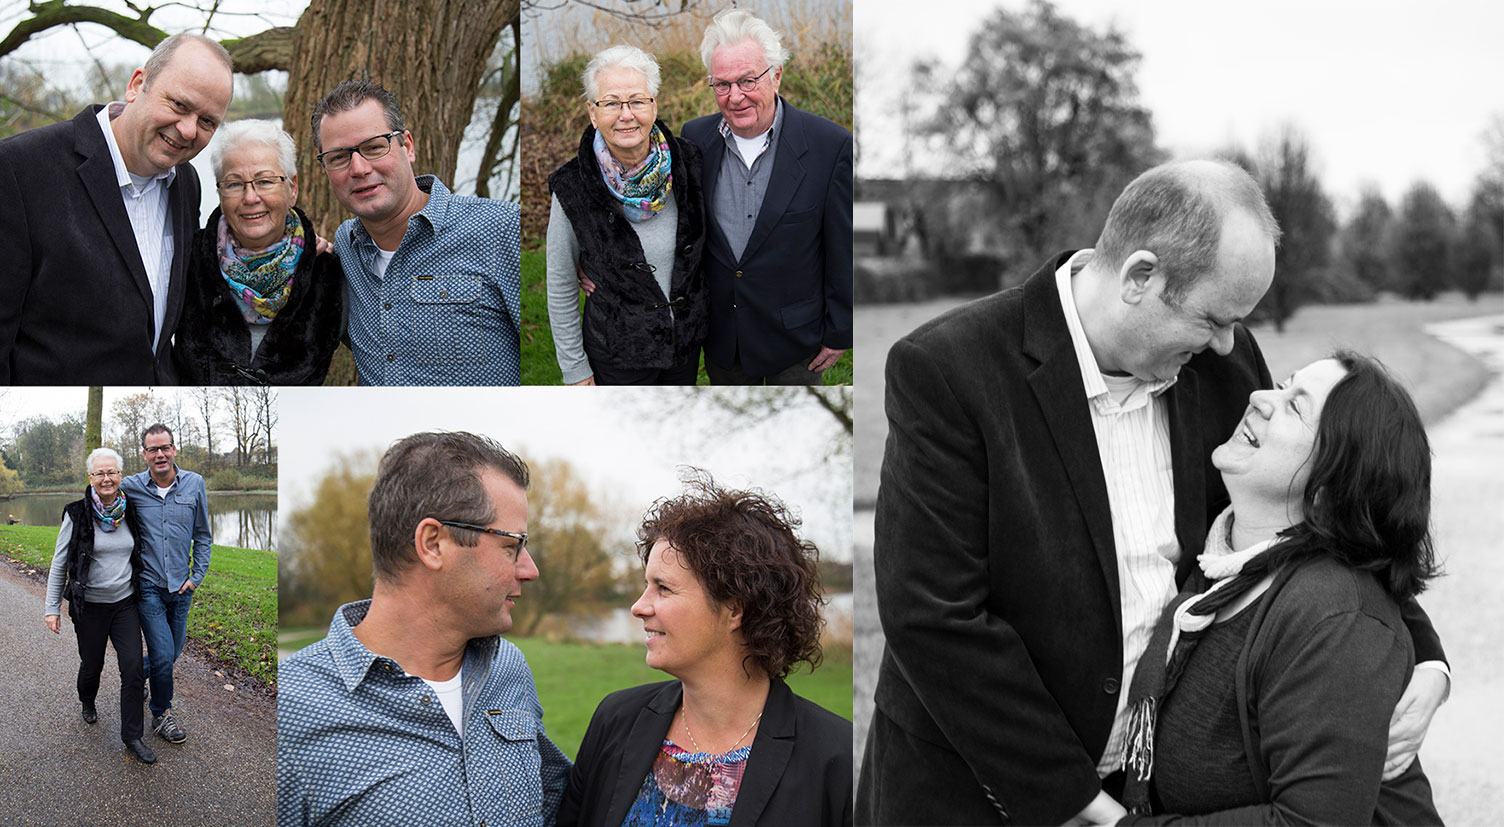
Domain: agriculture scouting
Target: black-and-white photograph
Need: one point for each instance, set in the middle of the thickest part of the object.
(1178, 469)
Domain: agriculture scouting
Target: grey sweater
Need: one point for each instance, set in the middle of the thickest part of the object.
(109, 577)
(657, 234)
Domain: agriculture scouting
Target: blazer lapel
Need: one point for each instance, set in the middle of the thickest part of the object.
(97, 174)
(769, 757)
(712, 156)
(182, 215)
(1061, 395)
(641, 749)
(787, 174)
(1189, 469)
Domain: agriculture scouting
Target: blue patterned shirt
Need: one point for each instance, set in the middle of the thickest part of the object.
(175, 536)
(448, 310)
(361, 742)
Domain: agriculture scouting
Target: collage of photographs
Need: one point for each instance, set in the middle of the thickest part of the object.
(1043, 412)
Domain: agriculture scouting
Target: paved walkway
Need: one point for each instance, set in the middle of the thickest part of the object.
(55, 769)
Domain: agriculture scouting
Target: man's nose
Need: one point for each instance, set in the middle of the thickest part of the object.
(526, 568)
(359, 165)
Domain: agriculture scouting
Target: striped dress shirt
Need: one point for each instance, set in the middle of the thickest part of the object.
(146, 206)
(1133, 443)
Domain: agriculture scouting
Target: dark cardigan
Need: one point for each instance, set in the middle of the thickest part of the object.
(627, 319)
(798, 773)
(213, 345)
(1320, 672)
(81, 550)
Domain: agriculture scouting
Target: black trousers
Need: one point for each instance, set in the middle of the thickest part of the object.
(120, 625)
(795, 374)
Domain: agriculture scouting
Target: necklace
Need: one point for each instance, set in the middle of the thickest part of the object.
(684, 716)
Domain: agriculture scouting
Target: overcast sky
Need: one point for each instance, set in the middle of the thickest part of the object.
(626, 442)
(1387, 92)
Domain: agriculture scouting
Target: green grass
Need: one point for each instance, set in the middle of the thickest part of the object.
(539, 367)
(572, 678)
(234, 615)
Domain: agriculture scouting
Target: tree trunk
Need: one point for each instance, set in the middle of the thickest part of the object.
(94, 419)
(431, 54)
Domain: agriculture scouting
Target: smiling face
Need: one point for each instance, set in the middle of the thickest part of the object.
(749, 114)
(168, 119)
(486, 581)
(685, 631)
(378, 190)
(1269, 453)
(257, 219)
(105, 485)
(160, 455)
(625, 132)
(1157, 338)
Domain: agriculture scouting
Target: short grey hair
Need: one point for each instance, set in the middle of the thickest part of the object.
(735, 25)
(162, 55)
(266, 133)
(1175, 211)
(103, 453)
(627, 57)
(350, 95)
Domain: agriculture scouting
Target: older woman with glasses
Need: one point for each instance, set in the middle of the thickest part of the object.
(628, 215)
(262, 306)
(97, 567)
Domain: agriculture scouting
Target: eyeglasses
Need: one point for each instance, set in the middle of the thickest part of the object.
(637, 105)
(370, 149)
(263, 186)
(722, 88)
(159, 449)
(104, 474)
(520, 537)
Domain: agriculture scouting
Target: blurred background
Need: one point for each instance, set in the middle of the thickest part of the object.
(559, 38)
(998, 133)
(598, 459)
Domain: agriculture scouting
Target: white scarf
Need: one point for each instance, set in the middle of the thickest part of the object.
(1220, 564)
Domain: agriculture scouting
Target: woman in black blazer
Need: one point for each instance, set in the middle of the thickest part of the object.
(732, 604)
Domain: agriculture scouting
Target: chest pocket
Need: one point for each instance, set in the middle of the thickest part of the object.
(449, 320)
(519, 763)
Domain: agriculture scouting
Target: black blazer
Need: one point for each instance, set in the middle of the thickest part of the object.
(790, 292)
(213, 345)
(799, 771)
(75, 305)
(997, 581)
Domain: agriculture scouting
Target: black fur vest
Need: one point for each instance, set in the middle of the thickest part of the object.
(627, 319)
(81, 551)
(213, 346)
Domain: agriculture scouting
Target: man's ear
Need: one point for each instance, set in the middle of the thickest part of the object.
(426, 542)
(1136, 276)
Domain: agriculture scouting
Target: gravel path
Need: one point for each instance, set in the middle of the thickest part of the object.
(55, 769)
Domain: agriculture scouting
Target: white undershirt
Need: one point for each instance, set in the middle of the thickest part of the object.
(751, 148)
(451, 696)
(379, 264)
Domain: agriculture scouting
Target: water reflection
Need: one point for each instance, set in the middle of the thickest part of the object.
(241, 520)
(619, 626)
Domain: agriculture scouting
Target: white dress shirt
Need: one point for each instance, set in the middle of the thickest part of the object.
(146, 206)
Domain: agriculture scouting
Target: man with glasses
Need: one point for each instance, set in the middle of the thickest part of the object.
(434, 280)
(97, 214)
(414, 706)
(778, 189)
(173, 511)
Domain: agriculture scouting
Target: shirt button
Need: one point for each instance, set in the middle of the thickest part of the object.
(425, 700)
(1110, 686)
(391, 357)
(443, 294)
(386, 306)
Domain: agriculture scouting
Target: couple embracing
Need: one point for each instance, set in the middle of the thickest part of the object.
(415, 711)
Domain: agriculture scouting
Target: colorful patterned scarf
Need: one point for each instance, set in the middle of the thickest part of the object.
(261, 281)
(644, 190)
(109, 518)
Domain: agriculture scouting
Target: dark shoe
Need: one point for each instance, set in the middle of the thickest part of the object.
(90, 716)
(167, 728)
(141, 751)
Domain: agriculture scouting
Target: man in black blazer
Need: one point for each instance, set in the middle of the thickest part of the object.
(1018, 561)
(778, 188)
(96, 218)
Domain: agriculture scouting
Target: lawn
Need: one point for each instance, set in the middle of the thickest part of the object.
(572, 678)
(234, 615)
(539, 367)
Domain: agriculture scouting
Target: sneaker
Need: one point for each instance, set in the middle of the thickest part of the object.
(167, 728)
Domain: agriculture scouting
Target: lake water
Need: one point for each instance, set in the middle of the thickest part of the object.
(619, 626)
(241, 520)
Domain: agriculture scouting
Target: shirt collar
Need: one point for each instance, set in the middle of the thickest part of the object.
(123, 176)
(1091, 374)
(435, 214)
(353, 661)
(725, 128)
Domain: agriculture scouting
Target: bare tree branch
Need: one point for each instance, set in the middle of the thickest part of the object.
(263, 51)
(52, 13)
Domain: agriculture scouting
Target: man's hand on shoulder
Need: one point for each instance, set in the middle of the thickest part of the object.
(1427, 690)
(1104, 809)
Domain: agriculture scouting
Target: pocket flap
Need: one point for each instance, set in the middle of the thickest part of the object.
(801, 313)
(513, 724)
(445, 289)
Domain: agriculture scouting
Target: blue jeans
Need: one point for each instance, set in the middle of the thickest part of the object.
(164, 620)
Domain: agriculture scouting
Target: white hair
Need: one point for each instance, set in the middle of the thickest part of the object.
(103, 453)
(235, 133)
(626, 57)
(736, 25)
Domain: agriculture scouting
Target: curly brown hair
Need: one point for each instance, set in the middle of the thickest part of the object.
(742, 547)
